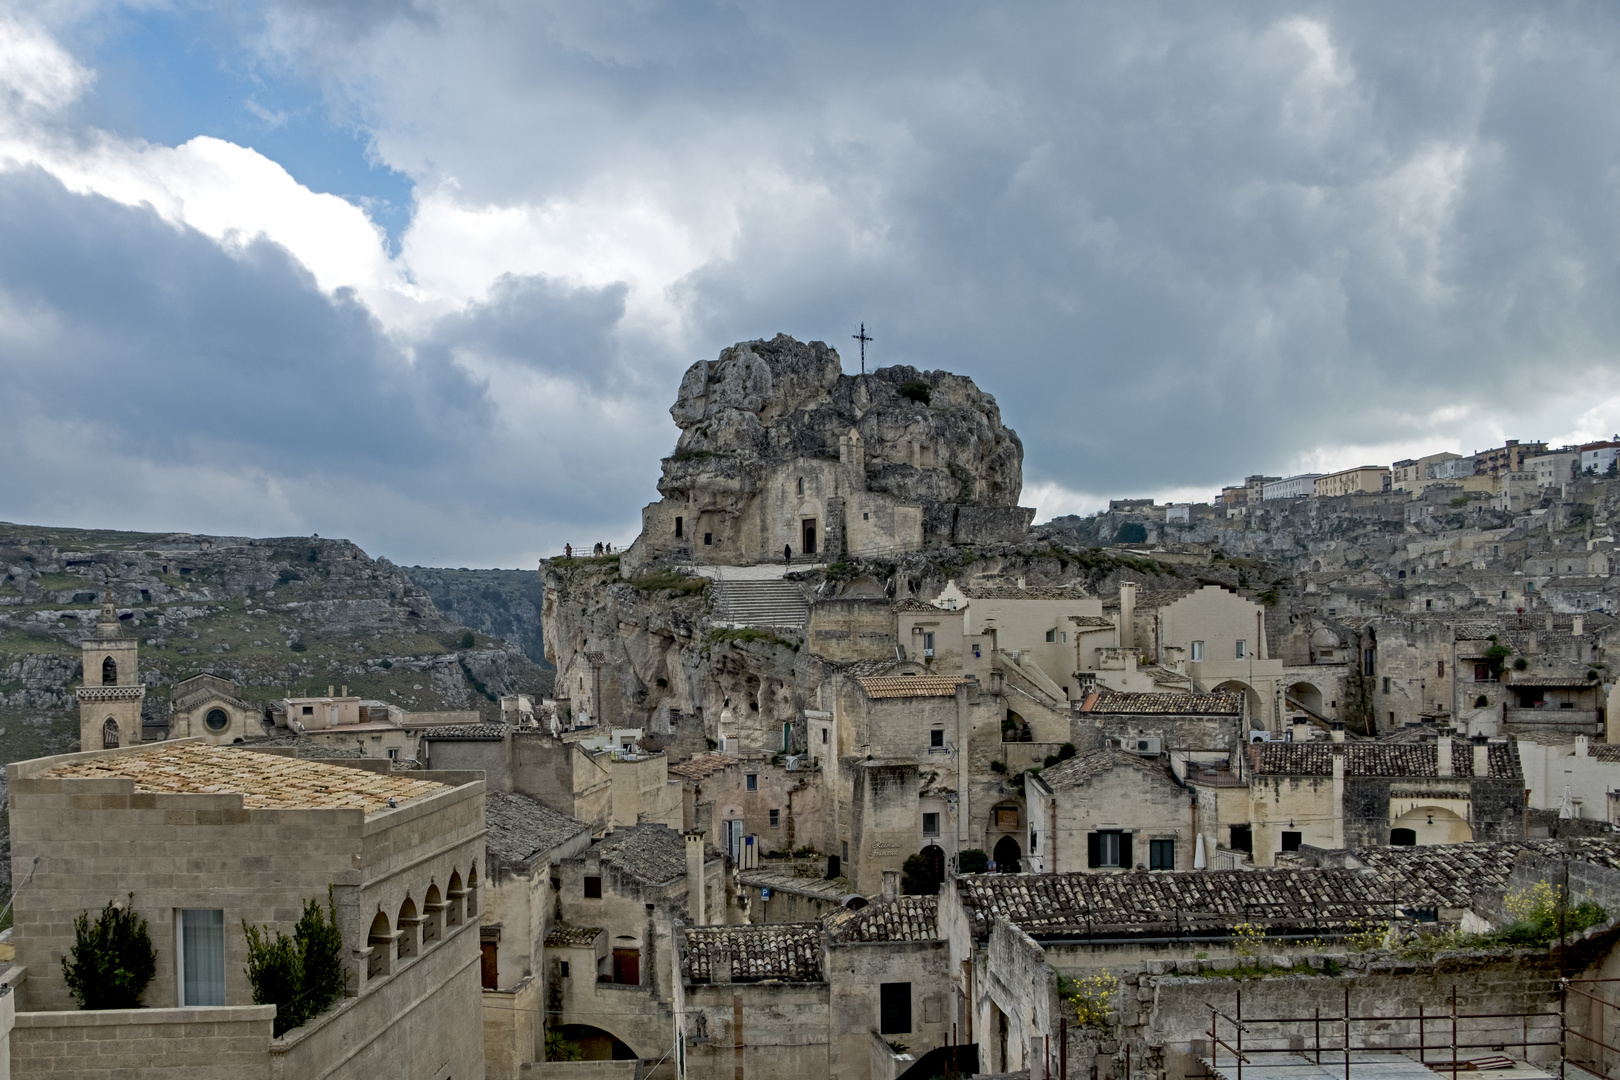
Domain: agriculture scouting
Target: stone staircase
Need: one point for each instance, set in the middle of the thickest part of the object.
(766, 602)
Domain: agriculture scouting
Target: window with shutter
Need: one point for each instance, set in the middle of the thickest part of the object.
(894, 1008)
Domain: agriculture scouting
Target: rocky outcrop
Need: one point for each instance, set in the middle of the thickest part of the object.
(501, 603)
(928, 438)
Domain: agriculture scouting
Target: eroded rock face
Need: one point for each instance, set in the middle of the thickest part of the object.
(930, 437)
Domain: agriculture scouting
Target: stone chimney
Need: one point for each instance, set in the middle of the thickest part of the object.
(1578, 625)
(1302, 730)
(1443, 755)
(694, 880)
(1482, 755)
(891, 886)
(1583, 746)
(1338, 731)
(1127, 614)
(329, 689)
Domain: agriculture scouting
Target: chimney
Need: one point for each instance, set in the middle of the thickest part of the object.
(1338, 731)
(1302, 730)
(345, 692)
(1127, 614)
(1442, 755)
(1549, 622)
(1482, 755)
(1338, 795)
(1578, 625)
(891, 886)
(694, 881)
(1582, 746)
(329, 690)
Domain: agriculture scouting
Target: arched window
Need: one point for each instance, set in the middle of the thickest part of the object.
(1403, 837)
(432, 909)
(109, 672)
(455, 893)
(472, 891)
(216, 720)
(381, 939)
(407, 923)
(109, 734)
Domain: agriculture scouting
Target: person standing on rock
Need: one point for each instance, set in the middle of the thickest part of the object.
(568, 551)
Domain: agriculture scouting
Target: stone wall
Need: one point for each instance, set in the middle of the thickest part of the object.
(764, 1030)
(856, 970)
(852, 629)
(227, 1043)
(514, 1032)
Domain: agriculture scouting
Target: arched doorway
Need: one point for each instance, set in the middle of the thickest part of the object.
(1014, 728)
(109, 734)
(1009, 856)
(596, 1044)
(1306, 696)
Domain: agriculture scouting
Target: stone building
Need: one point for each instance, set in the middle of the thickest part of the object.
(1106, 811)
(1336, 794)
(1166, 722)
(610, 953)
(1361, 480)
(1020, 620)
(211, 708)
(110, 698)
(526, 841)
(207, 837)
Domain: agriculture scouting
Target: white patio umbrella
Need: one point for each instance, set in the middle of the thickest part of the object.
(1199, 861)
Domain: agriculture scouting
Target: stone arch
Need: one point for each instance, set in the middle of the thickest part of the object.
(109, 734)
(1008, 855)
(381, 940)
(1433, 825)
(109, 672)
(1014, 728)
(864, 587)
(432, 910)
(1251, 699)
(472, 891)
(1307, 695)
(597, 1044)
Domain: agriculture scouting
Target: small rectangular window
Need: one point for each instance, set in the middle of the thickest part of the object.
(753, 782)
(1240, 649)
(562, 969)
(931, 824)
(593, 888)
(1161, 854)
(680, 523)
(708, 538)
(1367, 661)
(1440, 668)
(928, 643)
(894, 1008)
(1386, 684)
(309, 710)
(1197, 650)
(1290, 841)
(824, 739)
(936, 737)
(1482, 673)
(202, 958)
(1108, 849)
(975, 652)
(1242, 838)
(1051, 635)
(776, 818)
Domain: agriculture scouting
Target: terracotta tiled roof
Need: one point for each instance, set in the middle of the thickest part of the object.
(701, 765)
(1383, 759)
(520, 827)
(1013, 592)
(265, 781)
(563, 936)
(1087, 765)
(906, 686)
(787, 951)
(1604, 751)
(1091, 620)
(1575, 681)
(1454, 873)
(907, 918)
(1171, 704)
(918, 606)
(1084, 905)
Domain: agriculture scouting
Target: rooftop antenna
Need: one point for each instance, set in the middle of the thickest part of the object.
(863, 339)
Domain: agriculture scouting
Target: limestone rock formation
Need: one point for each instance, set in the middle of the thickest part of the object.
(924, 452)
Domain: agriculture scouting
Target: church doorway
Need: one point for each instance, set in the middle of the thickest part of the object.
(1009, 856)
(809, 535)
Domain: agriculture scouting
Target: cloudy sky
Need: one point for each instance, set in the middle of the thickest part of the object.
(426, 274)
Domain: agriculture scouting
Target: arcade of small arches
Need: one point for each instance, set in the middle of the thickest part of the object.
(413, 930)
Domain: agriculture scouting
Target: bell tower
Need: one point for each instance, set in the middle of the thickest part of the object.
(110, 699)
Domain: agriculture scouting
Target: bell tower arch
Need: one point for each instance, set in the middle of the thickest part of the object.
(110, 698)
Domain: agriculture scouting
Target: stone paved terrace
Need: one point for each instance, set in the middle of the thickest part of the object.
(905, 918)
(265, 781)
(790, 952)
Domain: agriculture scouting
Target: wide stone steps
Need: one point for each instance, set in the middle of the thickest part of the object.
(760, 603)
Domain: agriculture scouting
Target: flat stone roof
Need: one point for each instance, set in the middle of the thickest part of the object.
(265, 781)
